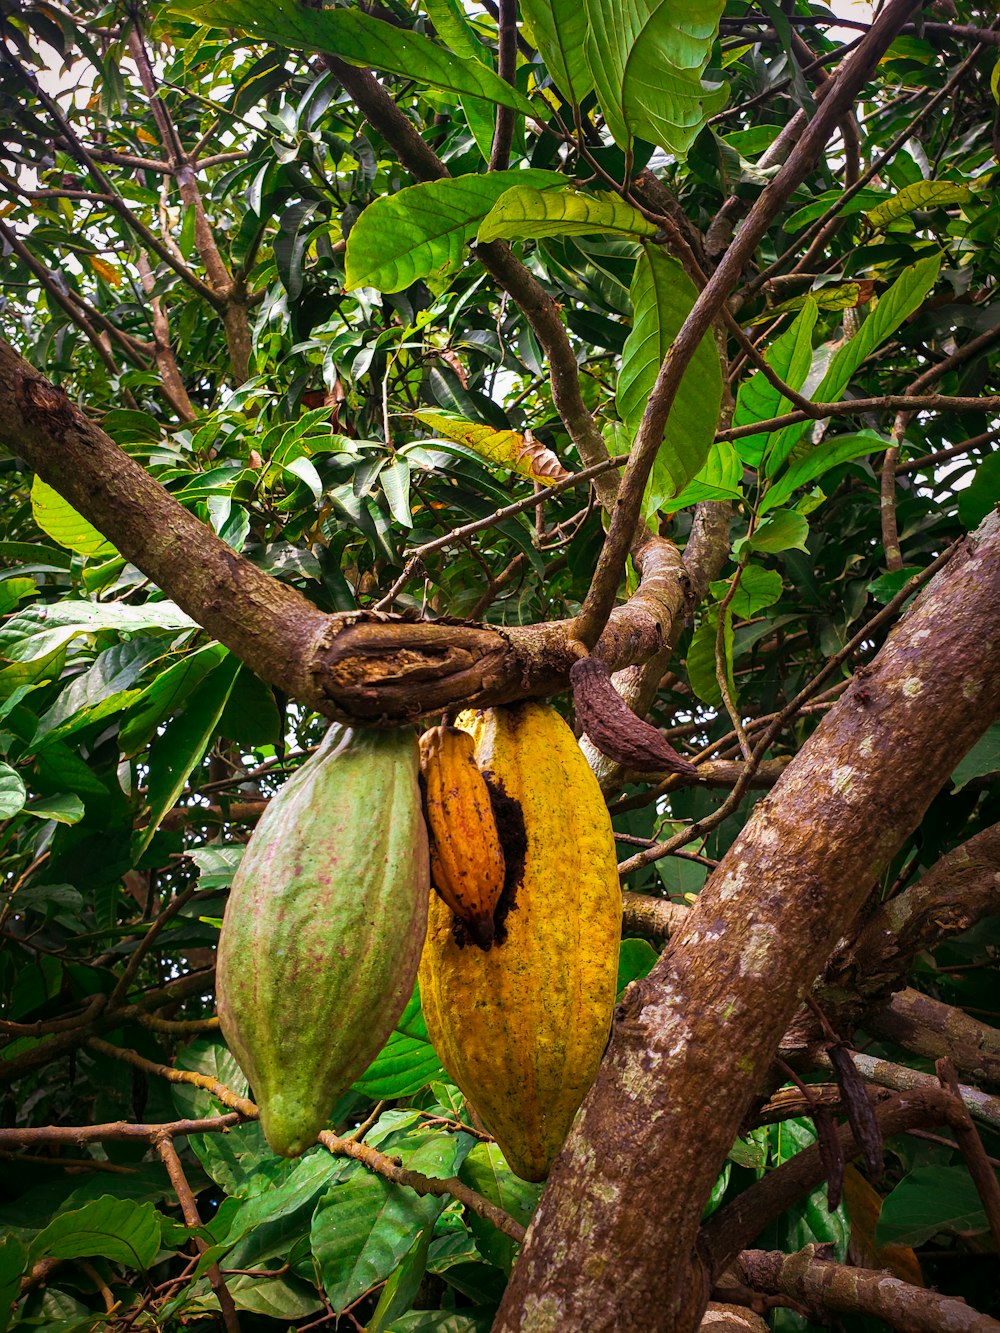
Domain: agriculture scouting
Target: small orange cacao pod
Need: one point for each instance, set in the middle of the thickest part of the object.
(467, 861)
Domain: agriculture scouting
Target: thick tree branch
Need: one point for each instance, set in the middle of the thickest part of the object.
(360, 665)
(733, 975)
(824, 1285)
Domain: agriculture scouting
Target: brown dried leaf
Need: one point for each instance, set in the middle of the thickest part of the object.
(501, 448)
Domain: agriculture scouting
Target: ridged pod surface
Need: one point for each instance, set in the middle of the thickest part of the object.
(323, 928)
(521, 1029)
(467, 862)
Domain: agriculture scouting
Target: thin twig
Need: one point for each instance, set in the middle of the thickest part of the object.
(164, 1145)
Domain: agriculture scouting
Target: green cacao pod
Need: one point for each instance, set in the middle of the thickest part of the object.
(467, 862)
(521, 1028)
(323, 928)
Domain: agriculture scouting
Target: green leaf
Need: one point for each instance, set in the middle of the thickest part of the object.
(13, 1261)
(904, 297)
(662, 297)
(32, 640)
(647, 58)
(758, 588)
(820, 459)
(664, 99)
(558, 29)
(790, 357)
(60, 521)
(983, 758)
(278, 1300)
(182, 746)
(452, 26)
(421, 232)
(443, 1321)
(359, 39)
(928, 1200)
(701, 658)
(976, 501)
(165, 695)
(117, 1229)
(720, 479)
(12, 792)
(636, 958)
(785, 530)
(65, 809)
(919, 195)
(363, 1227)
(486, 1171)
(398, 1293)
(13, 591)
(395, 481)
(525, 213)
(886, 586)
(506, 449)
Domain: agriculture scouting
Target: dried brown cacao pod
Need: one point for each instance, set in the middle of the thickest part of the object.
(860, 1112)
(831, 1153)
(614, 729)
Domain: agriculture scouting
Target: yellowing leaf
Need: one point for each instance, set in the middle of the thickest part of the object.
(63, 524)
(145, 136)
(105, 270)
(921, 194)
(501, 448)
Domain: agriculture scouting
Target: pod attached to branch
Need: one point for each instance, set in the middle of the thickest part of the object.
(614, 729)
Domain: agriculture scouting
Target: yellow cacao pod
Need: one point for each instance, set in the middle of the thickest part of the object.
(467, 863)
(521, 1028)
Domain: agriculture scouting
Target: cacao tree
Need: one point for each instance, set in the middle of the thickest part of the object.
(371, 363)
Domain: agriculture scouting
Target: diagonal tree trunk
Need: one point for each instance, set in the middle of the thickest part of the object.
(612, 1245)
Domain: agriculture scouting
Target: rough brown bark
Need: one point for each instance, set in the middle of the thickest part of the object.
(929, 1028)
(627, 1189)
(824, 1285)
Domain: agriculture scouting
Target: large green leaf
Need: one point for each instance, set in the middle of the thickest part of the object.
(901, 300)
(422, 231)
(559, 30)
(790, 357)
(165, 695)
(32, 640)
(720, 479)
(182, 745)
(821, 458)
(363, 1227)
(928, 1200)
(526, 213)
(984, 757)
(982, 494)
(662, 297)
(13, 1258)
(451, 23)
(406, 1063)
(486, 1170)
(647, 58)
(359, 39)
(117, 1229)
(12, 792)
